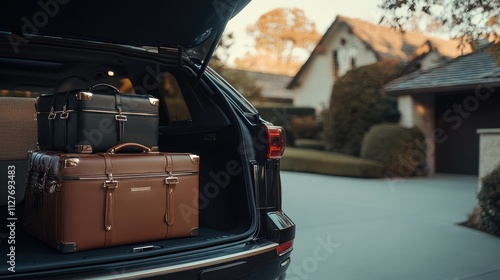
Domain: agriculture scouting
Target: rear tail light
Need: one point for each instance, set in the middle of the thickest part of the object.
(276, 141)
(285, 247)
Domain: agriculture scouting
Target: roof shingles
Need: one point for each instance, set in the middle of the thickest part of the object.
(465, 72)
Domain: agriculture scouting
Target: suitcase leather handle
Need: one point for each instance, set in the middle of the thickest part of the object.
(114, 89)
(118, 147)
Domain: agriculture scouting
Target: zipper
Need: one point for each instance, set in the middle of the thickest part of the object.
(133, 176)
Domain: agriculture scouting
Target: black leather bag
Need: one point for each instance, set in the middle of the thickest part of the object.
(95, 119)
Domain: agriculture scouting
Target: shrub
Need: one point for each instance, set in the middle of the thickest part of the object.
(281, 115)
(402, 150)
(303, 127)
(356, 104)
(489, 203)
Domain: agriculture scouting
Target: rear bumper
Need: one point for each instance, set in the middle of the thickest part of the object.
(243, 261)
(247, 262)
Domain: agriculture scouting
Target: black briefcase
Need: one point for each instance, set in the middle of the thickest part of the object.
(95, 119)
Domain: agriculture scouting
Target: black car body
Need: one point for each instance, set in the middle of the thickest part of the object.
(162, 49)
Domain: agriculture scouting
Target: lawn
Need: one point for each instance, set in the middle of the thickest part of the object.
(322, 162)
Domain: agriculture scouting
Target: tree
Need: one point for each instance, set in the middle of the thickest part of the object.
(469, 20)
(239, 80)
(218, 61)
(280, 35)
(356, 104)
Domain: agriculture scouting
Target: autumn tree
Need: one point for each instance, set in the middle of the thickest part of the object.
(280, 35)
(219, 58)
(468, 20)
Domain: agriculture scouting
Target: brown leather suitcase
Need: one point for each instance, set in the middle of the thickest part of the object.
(77, 202)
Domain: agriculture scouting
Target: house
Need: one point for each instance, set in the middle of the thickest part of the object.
(272, 85)
(350, 43)
(450, 102)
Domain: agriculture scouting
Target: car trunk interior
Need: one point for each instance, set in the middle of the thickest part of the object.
(205, 129)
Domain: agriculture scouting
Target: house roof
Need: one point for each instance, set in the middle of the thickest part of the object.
(273, 85)
(464, 72)
(419, 55)
(384, 41)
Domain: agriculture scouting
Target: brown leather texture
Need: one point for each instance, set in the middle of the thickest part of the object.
(102, 200)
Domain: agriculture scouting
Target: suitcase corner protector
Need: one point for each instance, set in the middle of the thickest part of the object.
(194, 232)
(66, 247)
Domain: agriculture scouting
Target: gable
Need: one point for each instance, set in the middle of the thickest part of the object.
(382, 41)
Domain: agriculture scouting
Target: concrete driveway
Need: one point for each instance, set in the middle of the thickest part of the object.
(349, 228)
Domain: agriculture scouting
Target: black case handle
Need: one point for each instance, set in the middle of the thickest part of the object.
(114, 89)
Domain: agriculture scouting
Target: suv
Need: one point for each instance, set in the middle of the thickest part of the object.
(159, 48)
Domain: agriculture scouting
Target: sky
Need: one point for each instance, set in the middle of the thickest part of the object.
(321, 12)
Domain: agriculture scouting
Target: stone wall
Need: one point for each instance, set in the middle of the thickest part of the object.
(489, 151)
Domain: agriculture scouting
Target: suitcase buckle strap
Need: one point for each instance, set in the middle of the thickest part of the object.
(110, 185)
(121, 119)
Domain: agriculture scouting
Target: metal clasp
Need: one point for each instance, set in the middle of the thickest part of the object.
(52, 114)
(64, 115)
(54, 186)
(171, 180)
(110, 183)
(121, 118)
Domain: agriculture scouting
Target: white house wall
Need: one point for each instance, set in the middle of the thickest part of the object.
(419, 112)
(406, 108)
(318, 79)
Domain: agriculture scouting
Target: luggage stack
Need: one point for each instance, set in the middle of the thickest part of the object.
(98, 179)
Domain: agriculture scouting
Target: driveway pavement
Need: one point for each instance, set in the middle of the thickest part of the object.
(349, 228)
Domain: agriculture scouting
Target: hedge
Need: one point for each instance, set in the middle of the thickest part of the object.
(356, 104)
(402, 150)
(321, 162)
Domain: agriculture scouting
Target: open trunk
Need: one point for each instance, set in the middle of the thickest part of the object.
(194, 118)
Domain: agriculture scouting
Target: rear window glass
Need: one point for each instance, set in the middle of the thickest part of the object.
(124, 86)
(171, 93)
(18, 93)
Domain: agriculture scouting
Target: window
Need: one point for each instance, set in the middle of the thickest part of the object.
(335, 63)
(18, 93)
(170, 92)
(344, 59)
